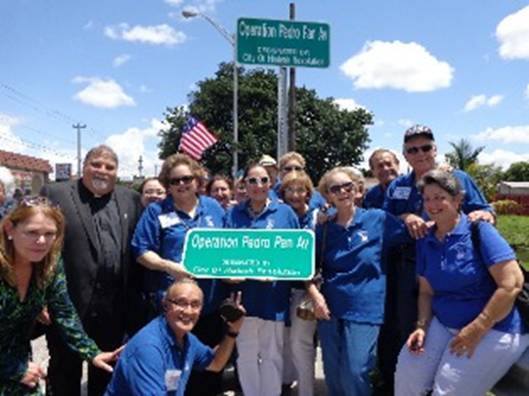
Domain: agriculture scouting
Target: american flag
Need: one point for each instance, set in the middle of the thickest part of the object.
(195, 138)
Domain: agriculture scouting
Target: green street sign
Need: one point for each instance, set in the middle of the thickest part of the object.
(282, 43)
(244, 253)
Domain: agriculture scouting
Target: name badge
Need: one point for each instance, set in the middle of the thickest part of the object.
(171, 379)
(169, 219)
(401, 193)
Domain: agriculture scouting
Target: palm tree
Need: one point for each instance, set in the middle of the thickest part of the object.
(463, 154)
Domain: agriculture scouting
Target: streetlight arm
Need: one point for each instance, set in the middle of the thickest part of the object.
(220, 29)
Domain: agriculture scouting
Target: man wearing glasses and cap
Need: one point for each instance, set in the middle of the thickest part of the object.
(403, 199)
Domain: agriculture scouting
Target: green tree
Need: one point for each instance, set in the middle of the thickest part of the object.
(325, 135)
(518, 171)
(486, 177)
(463, 154)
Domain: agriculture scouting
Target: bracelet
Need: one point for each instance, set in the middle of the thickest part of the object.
(232, 334)
(421, 323)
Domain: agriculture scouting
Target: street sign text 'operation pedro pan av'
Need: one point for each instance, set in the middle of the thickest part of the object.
(244, 253)
(282, 43)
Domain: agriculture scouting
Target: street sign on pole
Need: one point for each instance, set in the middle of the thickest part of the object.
(251, 254)
(282, 43)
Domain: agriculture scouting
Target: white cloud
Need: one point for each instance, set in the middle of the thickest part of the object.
(397, 65)
(348, 104)
(9, 141)
(131, 144)
(508, 134)
(120, 60)
(174, 2)
(501, 158)
(404, 122)
(106, 94)
(156, 35)
(477, 101)
(513, 34)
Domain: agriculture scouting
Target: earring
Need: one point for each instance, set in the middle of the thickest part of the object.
(9, 237)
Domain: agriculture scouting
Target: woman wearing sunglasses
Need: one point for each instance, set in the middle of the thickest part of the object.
(31, 278)
(350, 305)
(260, 340)
(468, 332)
(158, 244)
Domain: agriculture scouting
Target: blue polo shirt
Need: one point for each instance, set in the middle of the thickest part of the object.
(402, 195)
(265, 300)
(354, 281)
(162, 230)
(459, 275)
(374, 198)
(153, 363)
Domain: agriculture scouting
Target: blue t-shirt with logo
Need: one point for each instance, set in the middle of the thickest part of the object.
(459, 274)
(265, 300)
(153, 363)
(162, 229)
(354, 280)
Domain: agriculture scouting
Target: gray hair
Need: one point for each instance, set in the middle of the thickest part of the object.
(100, 150)
(444, 180)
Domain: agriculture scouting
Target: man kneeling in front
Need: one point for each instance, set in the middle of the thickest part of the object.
(159, 358)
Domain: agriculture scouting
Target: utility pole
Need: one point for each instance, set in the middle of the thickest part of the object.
(140, 166)
(155, 170)
(292, 96)
(79, 127)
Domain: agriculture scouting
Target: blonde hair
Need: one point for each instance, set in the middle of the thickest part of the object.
(297, 178)
(180, 159)
(291, 155)
(27, 208)
(323, 185)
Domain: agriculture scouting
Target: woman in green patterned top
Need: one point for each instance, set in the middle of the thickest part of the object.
(31, 278)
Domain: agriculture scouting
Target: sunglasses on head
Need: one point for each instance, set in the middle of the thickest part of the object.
(415, 149)
(258, 180)
(36, 200)
(175, 181)
(337, 188)
(293, 168)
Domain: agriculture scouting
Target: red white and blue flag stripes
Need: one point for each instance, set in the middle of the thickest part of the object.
(195, 138)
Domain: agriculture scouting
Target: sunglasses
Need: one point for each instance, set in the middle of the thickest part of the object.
(415, 149)
(337, 188)
(175, 181)
(293, 168)
(256, 180)
(36, 201)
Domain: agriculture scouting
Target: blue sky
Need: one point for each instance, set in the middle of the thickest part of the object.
(461, 67)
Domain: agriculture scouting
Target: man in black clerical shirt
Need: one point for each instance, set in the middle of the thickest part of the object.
(100, 271)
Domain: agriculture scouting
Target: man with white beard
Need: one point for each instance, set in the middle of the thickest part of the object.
(100, 271)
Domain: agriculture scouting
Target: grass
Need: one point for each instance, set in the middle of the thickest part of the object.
(515, 229)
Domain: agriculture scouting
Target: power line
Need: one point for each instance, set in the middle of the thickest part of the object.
(37, 106)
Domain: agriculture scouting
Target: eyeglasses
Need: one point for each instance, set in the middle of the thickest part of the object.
(295, 190)
(337, 188)
(293, 168)
(415, 149)
(35, 235)
(183, 304)
(256, 180)
(175, 181)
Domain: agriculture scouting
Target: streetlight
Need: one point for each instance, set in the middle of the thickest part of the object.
(231, 39)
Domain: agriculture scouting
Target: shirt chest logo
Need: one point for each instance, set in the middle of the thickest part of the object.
(171, 379)
(209, 222)
(401, 193)
(270, 224)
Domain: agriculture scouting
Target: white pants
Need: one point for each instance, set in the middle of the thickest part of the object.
(260, 361)
(299, 350)
(446, 374)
